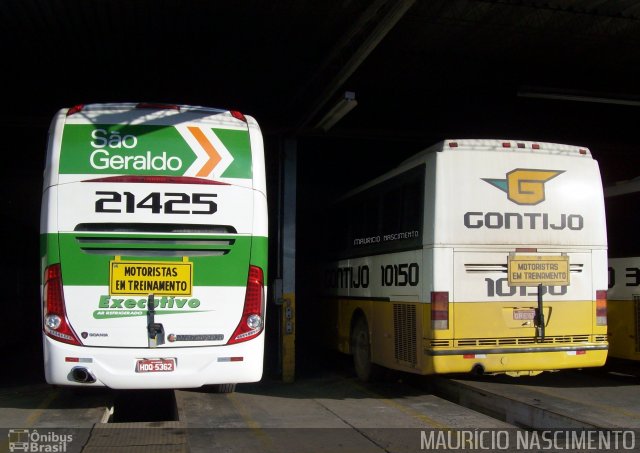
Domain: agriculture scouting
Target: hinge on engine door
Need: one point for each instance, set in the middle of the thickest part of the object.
(155, 330)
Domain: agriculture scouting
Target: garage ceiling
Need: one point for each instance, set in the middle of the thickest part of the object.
(421, 70)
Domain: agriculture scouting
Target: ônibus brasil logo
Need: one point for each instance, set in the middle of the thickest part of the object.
(524, 186)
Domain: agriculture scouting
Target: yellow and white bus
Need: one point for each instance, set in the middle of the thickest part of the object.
(153, 247)
(485, 256)
(623, 224)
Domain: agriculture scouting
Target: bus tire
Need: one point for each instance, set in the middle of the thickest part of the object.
(361, 350)
(224, 388)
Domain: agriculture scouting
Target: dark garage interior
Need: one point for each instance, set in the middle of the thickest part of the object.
(421, 71)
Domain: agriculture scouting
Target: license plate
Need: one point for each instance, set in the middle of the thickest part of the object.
(172, 278)
(524, 315)
(155, 365)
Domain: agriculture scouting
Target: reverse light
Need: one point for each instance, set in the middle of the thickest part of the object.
(439, 310)
(601, 307)
(252, 320)
(56, 324)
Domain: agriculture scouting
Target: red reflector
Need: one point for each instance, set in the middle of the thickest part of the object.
(469, 356)
(71, 359)
(535, 146)
(151, 105)
(520, 145)
(506, 145)
(238, 115)
(158, 180)
(75, 109)
(453, 144)
(583, 152)
(236, 359)
(583, 352)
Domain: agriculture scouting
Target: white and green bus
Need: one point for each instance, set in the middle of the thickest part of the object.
(153, 247)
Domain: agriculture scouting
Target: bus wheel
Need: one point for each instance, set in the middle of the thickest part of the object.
(361, 349)
(224, 388)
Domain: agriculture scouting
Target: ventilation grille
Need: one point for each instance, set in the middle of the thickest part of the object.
(171, 242)
(515, 341)
(636, 306)
(404, 331)
(157, 246)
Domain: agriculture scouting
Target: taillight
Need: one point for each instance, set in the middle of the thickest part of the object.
(439, 310)
(238, 115)
(56, 324)
(601, 307)
(252, 321)
(75, 109)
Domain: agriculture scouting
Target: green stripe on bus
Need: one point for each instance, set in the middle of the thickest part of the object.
(88, 268)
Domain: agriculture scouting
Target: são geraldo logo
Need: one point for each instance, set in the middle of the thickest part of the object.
(524, 186)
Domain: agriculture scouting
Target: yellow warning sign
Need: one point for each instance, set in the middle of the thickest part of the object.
(145, 277)
(538, 270)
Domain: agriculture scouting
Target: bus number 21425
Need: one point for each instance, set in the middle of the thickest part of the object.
(156, 202)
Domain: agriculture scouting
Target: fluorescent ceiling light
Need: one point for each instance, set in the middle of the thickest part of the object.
(338, 111)
(579, 96)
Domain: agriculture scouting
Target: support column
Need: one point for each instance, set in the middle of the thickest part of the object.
(288, 253)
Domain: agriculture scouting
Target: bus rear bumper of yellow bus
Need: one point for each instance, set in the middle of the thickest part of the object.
(516, 361)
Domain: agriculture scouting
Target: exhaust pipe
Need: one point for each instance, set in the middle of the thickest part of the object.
(82, 375)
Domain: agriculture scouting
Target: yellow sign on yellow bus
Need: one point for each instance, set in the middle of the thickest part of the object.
(538, 270)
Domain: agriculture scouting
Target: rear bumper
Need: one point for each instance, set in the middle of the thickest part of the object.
(514, 360)
(116, 367)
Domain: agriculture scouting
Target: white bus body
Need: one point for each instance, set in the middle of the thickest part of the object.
(151, 203)
(623, 220)
(433, 287)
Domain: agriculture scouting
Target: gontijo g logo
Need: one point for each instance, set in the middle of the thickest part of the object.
(524, 186)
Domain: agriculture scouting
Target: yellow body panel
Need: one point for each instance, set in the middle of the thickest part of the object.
(479, 334)
(623, 329)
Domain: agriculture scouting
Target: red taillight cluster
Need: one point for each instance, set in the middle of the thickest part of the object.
(56, 324)
(252, 320)
(601, 307)
(439, 310)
